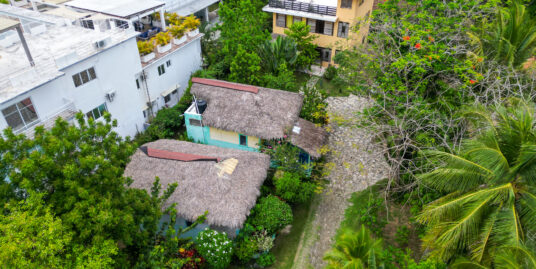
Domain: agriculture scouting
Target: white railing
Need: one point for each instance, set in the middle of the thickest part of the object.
(65, 110)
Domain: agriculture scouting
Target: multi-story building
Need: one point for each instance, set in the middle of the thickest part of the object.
(332, 21)
(54, 66)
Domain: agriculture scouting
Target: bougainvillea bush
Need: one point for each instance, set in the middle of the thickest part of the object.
(215, 247)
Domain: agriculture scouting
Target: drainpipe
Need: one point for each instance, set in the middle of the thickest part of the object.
(149, 103)
(25, 45)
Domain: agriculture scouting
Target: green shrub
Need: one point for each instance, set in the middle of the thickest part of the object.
(271, 214)
(314, 105)
(291, 188)
(402, 235)
(215, 247)
(265, 241)
(245, 248)
(331, 72)
(266, 259)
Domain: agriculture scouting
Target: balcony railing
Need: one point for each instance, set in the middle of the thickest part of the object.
(305, 7)
(66, 111)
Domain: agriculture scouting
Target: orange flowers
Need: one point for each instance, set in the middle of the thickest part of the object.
(418, 46)
(472, 81)
(431, 39)
(406, 38)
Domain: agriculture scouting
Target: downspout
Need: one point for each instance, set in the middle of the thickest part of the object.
(149, 103)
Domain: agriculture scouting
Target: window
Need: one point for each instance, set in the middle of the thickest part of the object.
(195, 122)
(20, 114)
(121, 24)
(347, 3)
(88, 24)
(325, 54)
(243, 140)
(342, 31)
(84, 77)
(360, 2)
(161, 70)
(168, 63)
(281, 20)
(138, 83)
(296, 19)
(320, 27)
(167, 98)
(97, 112)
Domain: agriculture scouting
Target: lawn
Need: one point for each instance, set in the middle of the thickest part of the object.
(286, 245)
(331, 88)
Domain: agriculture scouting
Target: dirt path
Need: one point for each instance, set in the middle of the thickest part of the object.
(356, 163)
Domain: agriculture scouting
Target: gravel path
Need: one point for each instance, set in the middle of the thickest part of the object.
(356, 163)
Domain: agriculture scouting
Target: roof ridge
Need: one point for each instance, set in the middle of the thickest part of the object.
(177, 156)
(227, 85)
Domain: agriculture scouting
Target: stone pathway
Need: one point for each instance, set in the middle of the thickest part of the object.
(357, 162)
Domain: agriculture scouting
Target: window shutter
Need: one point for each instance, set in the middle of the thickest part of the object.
(328, 28)
(312, 23)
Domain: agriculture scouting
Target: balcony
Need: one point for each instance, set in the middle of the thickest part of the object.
(66, 112)
(303, 7)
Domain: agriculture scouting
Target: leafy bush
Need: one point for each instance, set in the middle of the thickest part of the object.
(330, 73)
(314, 105)
(266, 259)
(177, 31)
(291, 188)
(162, 38)
(271, 214)
(265, 242)
(191, 22)
(245, 248)
(215, 247)
(145, 47)
(284, 80)
(402, 235)
(286, 157)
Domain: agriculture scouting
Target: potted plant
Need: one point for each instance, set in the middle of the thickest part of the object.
(191, 23)
(146, 50)
(177, 32)
(163, 39)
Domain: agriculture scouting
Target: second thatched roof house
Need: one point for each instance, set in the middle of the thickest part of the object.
(239, 116)
(225, 182)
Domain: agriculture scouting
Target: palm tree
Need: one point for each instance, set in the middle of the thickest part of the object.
(518, 257)
(511, 40)
(276, 52)
(354, 250)
(490, 199)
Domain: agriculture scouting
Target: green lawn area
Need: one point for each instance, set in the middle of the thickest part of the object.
(285, 246)
(328, 86)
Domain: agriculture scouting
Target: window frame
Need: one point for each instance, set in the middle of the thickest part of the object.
(84, 77)
(19, 109)
(161, 70)
(346, 4)
(91, 113)
(277, 20)
(347, 28)
(240, 136)
(168, 97)
(168, 63)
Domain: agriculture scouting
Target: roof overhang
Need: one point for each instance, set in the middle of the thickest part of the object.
(308, 15)
(7, 24)
(70, 14)
(193, 7)
(124, 9)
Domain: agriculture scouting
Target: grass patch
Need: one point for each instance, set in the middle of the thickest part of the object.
(286, 245)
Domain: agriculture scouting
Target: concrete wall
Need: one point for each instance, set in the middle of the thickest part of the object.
(353, 16)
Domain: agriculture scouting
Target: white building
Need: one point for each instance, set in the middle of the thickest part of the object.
(69, 68)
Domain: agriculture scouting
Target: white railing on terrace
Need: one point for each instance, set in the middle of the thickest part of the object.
(66, 112)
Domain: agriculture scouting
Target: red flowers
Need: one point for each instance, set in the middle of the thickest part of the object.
(406, 38)
(418, 46)
(431, 39)
(472, 81)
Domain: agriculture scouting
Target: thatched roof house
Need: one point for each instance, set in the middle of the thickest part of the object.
(266, 114)
(257, 111)
(224, 182)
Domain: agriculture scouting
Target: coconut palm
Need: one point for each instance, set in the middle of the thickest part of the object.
(354, 250)
(490, 199)
(511, 39)
(276, 52)
(518, 257)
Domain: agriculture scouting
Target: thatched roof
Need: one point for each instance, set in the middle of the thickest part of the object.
(266, 114)
(227, 190)
(309, 137)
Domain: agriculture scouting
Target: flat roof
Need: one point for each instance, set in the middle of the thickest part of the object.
(67, 13)
(7, 24)
(30, 15)
(118, 8)
(55, 2)
(52, 50)
(192, 7)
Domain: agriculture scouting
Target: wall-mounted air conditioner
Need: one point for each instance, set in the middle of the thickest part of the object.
(110, 96)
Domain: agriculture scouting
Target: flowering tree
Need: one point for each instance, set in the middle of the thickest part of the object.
(215, 247)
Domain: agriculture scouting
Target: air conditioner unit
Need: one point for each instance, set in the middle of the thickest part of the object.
(110, 96)
(102, 43)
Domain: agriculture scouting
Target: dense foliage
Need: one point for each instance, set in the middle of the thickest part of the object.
(292, 188)
(271, 214)
(215, 247)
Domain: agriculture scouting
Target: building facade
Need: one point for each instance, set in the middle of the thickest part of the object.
(69, 68)
(332, 21)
